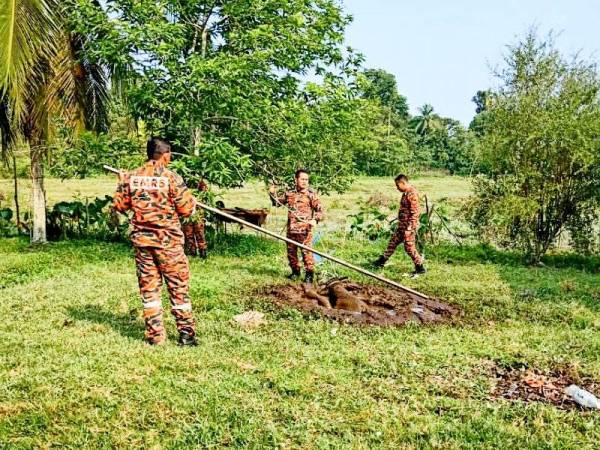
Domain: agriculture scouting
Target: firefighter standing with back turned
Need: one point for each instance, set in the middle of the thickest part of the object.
(158, 198)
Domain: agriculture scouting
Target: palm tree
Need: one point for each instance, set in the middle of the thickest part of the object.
(426, 121)
(43, 77)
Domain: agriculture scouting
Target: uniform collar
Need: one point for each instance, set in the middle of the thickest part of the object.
(154, 164)
(301, 191)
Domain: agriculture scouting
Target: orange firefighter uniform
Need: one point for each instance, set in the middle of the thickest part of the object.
(303, 205)
(408, 224)
(158, 197)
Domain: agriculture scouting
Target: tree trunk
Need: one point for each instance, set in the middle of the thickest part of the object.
(17, 210)
(196, 138)
(38, 197)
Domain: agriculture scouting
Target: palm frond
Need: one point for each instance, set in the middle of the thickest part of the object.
(27, 35)
(119, 74)
(78, 88)
(93, 88)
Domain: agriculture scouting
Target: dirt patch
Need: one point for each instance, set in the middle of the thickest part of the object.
(349, 302)
(534, 385)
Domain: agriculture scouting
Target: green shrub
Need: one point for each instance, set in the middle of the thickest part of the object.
(95, 219)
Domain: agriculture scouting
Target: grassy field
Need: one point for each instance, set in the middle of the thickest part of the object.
(254, 194)
(75, 372)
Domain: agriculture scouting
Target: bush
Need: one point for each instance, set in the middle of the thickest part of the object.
(584, 230)
(539, 147)
(7, 226)
(95, 219)
(371, 221)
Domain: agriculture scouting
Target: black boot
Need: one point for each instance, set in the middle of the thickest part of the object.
(309, 277)
(379, 262)
(419, 270)
(202, 253)
(186, 339)
(295, 275)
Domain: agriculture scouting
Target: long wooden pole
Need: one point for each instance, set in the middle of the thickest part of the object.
(305, 247)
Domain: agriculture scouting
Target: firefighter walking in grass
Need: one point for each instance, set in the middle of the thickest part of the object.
(408, 224)
(305, 211)
(158, 197)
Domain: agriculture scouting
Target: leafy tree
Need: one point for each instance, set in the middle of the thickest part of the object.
(483, 101)
(318, 130)
(381, 146)
(224, 81)
(85, 154)
(80, 155)
(381, 86)
(441, 142)
(540, 148)
(449, 146)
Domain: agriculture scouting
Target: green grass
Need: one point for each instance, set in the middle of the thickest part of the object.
(75, 372)
(57, 190)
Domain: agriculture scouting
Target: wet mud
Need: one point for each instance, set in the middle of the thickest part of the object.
(349, 302)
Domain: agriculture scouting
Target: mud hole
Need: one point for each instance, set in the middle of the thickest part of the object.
(534, 385)
(353, 303)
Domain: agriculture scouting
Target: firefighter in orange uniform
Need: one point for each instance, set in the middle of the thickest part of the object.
(305, 210)
(408, 224)
(194, 229)
(158, 197)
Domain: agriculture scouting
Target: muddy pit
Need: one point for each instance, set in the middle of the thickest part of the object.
(348, 302)
(535, 385)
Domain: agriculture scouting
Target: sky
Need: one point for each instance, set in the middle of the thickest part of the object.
(441, 51)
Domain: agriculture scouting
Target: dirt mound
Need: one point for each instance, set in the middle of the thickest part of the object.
(534, 385)
(348, 302)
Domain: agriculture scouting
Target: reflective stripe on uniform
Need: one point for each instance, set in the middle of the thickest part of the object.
(153, 304)
(183, 307)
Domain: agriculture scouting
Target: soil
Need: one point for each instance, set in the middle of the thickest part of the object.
(348, 302)
(534, 385)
